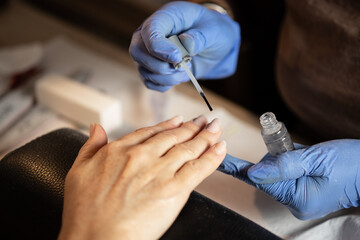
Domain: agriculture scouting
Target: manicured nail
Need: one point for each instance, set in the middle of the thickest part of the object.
(177, 120)
(220, 147)
(214, 126)
(200, 120)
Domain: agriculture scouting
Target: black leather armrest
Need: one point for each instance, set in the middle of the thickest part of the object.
(32, 187)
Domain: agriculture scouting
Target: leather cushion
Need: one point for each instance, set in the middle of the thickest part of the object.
(32, 184)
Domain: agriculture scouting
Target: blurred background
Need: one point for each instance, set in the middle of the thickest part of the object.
(253, 86)
(88, 40)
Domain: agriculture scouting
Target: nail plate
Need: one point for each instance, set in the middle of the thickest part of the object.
(214, 126)
(220, 147)
(177, 120)
(200, 120)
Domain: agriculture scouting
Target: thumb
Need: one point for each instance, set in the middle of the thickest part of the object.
(278, 168)
(97, 140)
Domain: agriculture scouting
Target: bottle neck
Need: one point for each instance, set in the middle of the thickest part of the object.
(269, 123)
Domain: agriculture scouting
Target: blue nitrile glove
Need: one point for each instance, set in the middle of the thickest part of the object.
(212, 38)
(310, 181)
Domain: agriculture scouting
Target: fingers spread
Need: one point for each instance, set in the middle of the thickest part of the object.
(97, 140)
(143, 134)
(194, 172)
(165, 140)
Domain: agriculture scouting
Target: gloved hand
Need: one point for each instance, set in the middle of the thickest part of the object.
(212, 38)
(310, 181)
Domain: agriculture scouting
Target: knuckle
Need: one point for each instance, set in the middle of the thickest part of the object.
(168, 188)
(169, 136)
(205, 139)
(186, 150)
(191, 126)
(193, 165)
(110, 148)
(147, 131)
(136, 151)
(152, 49)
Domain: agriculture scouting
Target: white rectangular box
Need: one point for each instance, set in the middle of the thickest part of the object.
(78, 102)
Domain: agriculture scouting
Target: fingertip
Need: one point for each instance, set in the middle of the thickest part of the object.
(97, 139)
(214, 126)
(98, 131)
(177, 120)
(220, 148)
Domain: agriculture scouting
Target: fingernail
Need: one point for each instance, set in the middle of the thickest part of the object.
(200, 120)
(92, 129)
(220, 147)
(214, 126)
(177, 120)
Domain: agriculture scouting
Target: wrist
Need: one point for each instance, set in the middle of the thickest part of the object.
(215, 7)
(220, 6)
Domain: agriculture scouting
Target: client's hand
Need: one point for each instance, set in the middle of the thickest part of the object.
(135, 187)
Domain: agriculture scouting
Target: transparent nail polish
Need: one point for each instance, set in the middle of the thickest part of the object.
(200, 120)
(275, 134)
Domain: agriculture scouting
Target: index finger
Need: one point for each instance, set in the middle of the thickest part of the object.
(171, 19)
(143, 134)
